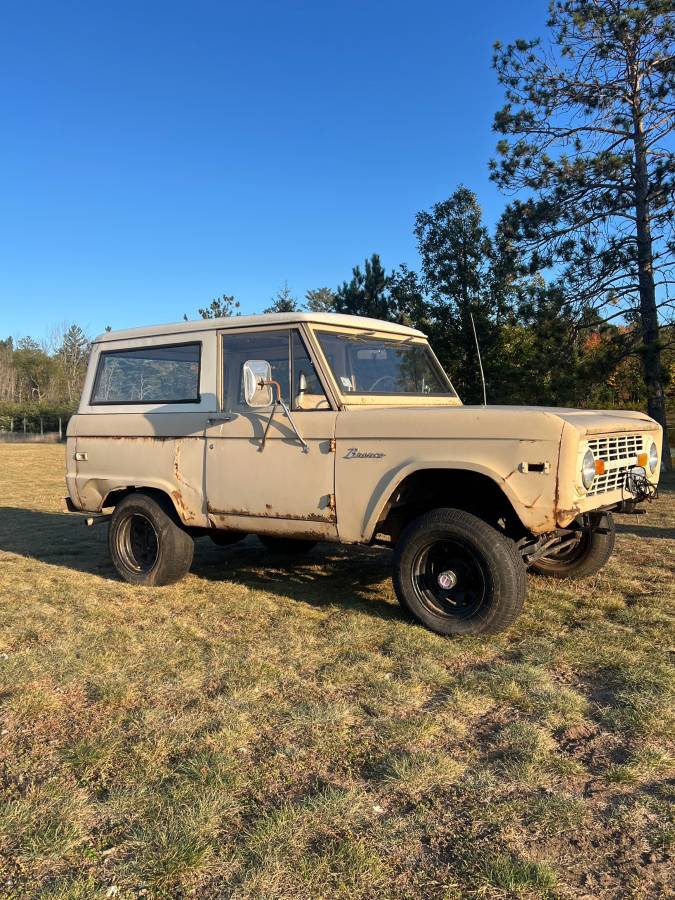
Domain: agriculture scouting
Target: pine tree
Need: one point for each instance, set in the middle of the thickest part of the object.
(366, 294)
(72, 358)
(220, 308)
(284, 301)
(320, 300)
(588, 124)
(457, 265)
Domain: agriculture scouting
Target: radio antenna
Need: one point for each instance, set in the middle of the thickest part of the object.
(480, 362)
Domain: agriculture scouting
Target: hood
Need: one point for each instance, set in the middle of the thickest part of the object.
(589, 421)
(495, 422)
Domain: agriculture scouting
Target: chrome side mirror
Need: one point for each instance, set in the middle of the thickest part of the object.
(257, 373)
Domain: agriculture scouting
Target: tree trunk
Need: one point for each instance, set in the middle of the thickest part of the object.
(649, 318)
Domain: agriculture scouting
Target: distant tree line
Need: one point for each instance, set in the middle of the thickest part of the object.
(41, 381)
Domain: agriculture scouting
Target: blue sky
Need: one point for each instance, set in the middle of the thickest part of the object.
(157, 154)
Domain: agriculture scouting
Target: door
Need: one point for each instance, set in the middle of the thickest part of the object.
(282, 488)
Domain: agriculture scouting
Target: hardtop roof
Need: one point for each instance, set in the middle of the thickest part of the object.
(177, 328)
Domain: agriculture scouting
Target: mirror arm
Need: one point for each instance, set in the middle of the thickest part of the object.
(280, 402)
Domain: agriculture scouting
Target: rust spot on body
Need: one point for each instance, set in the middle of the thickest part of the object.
(310, 517)
(183, 510)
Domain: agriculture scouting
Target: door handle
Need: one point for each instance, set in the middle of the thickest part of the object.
(224, 418)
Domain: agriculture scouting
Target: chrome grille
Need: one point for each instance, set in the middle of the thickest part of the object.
(619, 454)
(613, 449)
(612, 480)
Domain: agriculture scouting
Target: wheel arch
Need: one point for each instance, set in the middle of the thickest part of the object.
(417, 489)
(115, 496)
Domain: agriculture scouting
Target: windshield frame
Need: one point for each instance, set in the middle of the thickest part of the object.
(398, 398)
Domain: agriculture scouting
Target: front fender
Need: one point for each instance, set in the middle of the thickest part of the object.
(531, 494)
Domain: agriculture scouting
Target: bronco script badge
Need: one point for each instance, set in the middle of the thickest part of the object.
(355, 453)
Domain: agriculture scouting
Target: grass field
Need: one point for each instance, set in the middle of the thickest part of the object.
(267, 729)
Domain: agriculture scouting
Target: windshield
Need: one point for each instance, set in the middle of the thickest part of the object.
(371, 365)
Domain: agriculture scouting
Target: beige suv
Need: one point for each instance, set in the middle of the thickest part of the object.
(307, 427)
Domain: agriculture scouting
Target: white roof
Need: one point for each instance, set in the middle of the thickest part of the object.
(338, 319)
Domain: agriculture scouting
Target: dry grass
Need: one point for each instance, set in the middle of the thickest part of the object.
(269, 730)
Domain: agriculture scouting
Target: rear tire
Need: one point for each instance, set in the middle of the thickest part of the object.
(458, 575)
(286, 546)
(146, 543)
(586, 558)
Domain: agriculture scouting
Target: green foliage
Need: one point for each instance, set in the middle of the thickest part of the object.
(284, 301)
(71, 359)
(37, 417)
(366, 294)
(34, 369)
(461, 281)
(320, 300)
(221, 308)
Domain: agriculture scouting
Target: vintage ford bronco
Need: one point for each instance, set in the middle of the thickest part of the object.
(302, 427)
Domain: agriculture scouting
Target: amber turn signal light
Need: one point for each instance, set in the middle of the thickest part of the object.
(642, 459)
(599, 467)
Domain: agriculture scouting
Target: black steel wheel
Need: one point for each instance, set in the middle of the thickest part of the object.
(147, 543)
(448, 578)
(458, 575)
(138, 544)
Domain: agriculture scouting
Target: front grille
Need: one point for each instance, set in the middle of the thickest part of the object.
(619, 455)
(613, 480)
(613, 449)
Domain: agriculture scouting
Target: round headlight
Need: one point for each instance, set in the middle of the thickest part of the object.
(653, 457)
(588, 469)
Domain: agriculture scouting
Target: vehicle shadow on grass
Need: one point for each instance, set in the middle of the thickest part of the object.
(329, 574)
(641, 525)
(639, 528)
(353, 577)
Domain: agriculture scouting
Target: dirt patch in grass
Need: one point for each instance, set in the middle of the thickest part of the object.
(279, 729)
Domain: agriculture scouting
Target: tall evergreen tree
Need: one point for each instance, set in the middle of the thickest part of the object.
(366, 294)
(589, 124)
(72, 357)
(457, 265)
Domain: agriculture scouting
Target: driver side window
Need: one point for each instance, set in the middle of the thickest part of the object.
(291, 367)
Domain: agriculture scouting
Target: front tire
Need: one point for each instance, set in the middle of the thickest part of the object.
(458, 575)
(585, 558)
(146, 543)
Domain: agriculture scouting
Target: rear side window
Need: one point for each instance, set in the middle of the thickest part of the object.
(168, 374)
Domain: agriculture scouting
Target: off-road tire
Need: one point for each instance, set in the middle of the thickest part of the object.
(286, 546)
(223, 538)
(146, 542)
(489, 568)
(588, 557)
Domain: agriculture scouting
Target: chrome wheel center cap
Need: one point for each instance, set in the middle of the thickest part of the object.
(446, 580)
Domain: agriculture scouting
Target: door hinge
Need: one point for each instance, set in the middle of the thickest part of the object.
(331, 502)
(333, 445)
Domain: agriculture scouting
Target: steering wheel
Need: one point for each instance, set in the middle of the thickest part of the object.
(383, 378)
